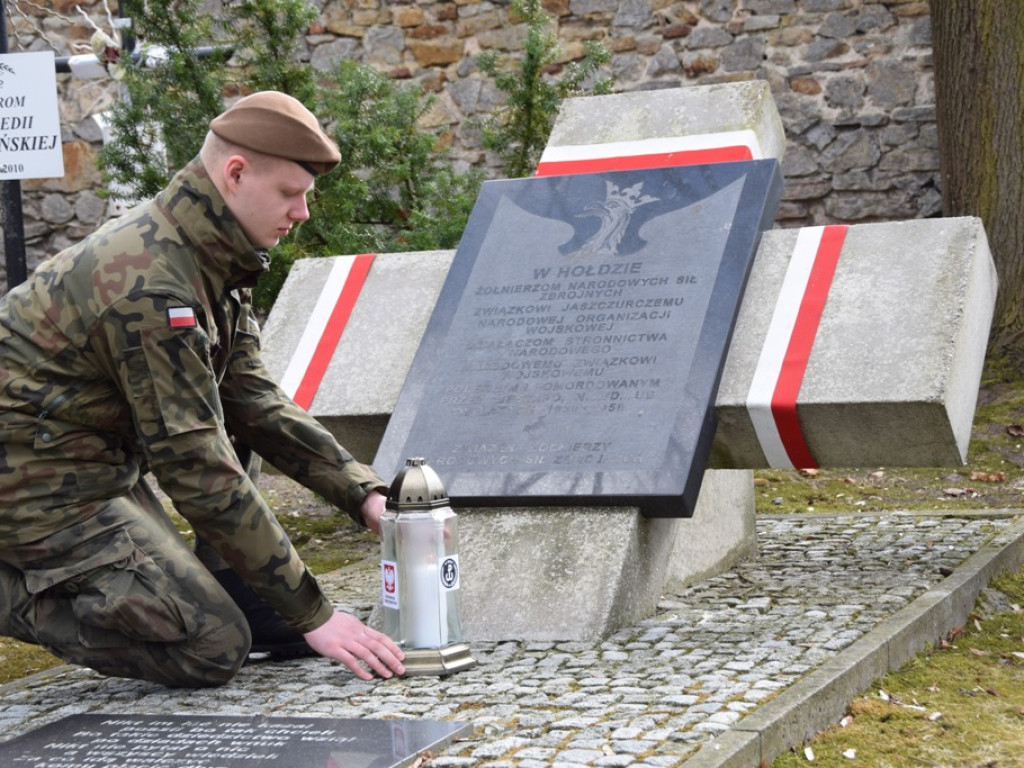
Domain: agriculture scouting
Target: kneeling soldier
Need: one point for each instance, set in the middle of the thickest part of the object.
(136, 351)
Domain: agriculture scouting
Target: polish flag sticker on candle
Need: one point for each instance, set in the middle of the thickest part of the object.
(389, 583)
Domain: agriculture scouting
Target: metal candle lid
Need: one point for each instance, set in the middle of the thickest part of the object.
(417, 486)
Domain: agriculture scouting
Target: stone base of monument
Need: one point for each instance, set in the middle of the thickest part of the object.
(721, 533)
(565, 574)
(854, 346)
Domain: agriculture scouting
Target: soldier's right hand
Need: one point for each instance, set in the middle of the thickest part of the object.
(346, 639)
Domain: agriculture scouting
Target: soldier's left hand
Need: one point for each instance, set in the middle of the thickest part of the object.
(372, 509)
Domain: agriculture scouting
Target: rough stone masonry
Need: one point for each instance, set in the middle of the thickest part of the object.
(852, 80)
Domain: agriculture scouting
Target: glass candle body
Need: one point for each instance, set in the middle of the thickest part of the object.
(420, 577)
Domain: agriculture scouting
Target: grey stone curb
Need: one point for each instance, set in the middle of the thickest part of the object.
(822, 697)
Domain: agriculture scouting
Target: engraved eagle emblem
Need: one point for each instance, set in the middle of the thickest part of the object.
(615, 212)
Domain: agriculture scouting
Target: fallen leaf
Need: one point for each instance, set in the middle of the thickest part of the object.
(977, 652)
(988, 477)
(1015, 430)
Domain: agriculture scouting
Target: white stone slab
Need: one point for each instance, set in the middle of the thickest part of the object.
(674, 120)
(361, 385)
(894, 371)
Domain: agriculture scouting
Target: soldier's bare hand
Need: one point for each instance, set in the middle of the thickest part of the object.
(347, 639)
(372, 509)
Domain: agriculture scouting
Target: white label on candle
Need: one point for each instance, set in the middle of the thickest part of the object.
(450, 573)
(389, 584)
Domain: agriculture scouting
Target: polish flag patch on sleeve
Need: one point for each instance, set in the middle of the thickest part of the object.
(181, 317)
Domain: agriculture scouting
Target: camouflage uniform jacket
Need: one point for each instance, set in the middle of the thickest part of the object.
(136, 350)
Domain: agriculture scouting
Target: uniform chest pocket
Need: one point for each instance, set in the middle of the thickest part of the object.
(172, 384)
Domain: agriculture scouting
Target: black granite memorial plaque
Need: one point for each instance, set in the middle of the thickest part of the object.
(170, 741)
(575, 350)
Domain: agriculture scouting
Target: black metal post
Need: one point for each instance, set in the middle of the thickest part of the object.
(10, 202)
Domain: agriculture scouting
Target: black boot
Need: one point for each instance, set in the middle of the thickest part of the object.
(271, 635)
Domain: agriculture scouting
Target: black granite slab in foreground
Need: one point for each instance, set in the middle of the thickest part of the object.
(167, 741)
(575, 350)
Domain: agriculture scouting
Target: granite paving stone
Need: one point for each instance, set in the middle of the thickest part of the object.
(646, 696)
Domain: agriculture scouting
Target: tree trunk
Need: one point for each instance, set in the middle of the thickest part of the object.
(978, 48)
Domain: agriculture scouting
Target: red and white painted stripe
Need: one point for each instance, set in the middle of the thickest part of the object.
(324, 327)
(702, 149)
(771, 401)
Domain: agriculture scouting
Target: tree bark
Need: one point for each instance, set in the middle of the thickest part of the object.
(978, 48)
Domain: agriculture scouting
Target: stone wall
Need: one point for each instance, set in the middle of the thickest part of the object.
(852, 80)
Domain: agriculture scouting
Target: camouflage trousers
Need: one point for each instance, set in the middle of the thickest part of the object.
(121, 592)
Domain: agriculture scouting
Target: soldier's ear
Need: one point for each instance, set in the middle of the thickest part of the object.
(234, 168)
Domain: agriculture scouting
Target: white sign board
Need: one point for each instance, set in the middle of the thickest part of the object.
(30, 146)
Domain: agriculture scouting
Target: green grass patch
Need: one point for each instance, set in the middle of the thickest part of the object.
(18, 660)
(329, 543)
(961, 704)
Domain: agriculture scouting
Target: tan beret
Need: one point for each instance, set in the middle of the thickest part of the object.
(277, 124)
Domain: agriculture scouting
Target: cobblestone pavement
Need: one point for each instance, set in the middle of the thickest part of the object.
(648, 696)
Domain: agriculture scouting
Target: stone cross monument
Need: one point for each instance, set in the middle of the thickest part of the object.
(852, 346)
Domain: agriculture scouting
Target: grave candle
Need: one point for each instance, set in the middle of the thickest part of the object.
(420, 573)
